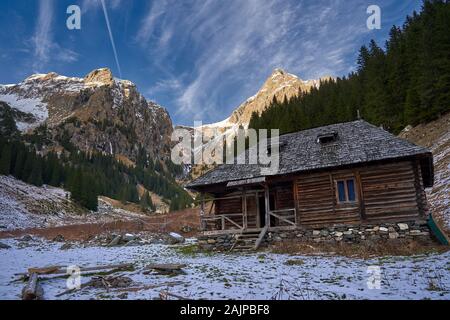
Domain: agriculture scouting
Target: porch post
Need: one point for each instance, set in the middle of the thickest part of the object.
(258, 218)
(266, 197)
(244, 195)
(202, 212)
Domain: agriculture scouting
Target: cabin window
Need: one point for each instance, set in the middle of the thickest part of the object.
(346, 190)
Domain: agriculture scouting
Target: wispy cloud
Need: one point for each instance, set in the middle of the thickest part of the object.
(44, 46)
(238, 43)
(43, 39)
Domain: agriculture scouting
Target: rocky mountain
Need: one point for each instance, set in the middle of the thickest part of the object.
(97, 112)
(280, 85)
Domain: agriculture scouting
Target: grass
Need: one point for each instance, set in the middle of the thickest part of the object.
(192, 250)
(363, 250)
(294, 262)
(188, 250)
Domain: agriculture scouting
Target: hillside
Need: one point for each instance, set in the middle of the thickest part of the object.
(435, 135)
(24, 206)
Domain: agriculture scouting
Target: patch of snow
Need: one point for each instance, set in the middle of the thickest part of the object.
(14, 197)
(35, 106)
(234, 276)
(25, 206)
(220, 124)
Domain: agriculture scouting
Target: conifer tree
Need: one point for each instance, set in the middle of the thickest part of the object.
(5, 160)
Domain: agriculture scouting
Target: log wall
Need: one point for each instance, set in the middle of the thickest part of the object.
(316, 201)
(387, 192)
(390, 192)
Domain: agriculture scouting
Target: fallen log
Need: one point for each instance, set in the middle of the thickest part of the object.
(33, 290)
(167, 269)
(63, 269)
(147, 287)
(102, 272)
(99, 281)
(45, 270)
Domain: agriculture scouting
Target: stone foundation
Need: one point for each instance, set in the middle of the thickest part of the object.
(413, 230)
(222, 242)
(417, 230)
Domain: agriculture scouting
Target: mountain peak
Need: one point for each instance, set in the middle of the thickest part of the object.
(278, 71)
(102, 75)
(280, 85)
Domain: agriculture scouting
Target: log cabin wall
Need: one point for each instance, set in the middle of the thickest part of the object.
(384, 192)
(390, 192)
(284, 197)
(229, 206)
(316, 201)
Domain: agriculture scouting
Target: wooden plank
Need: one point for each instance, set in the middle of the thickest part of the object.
(261, 236)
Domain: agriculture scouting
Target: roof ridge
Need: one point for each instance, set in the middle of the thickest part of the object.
(325, 126)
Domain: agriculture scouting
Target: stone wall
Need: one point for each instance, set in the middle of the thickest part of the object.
(222, 242)
(417, 230)
(414, 230)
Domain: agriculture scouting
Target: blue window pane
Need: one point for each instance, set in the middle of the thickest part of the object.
(341, 191)
(351, 190)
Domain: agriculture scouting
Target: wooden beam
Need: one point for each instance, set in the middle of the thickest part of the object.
(244, 200)
(362, 206)
(258, 217)
(295, 195)
(267, 203)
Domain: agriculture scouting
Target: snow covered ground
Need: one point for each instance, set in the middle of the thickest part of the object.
(25, 206)
(236, 276)
(19, 200)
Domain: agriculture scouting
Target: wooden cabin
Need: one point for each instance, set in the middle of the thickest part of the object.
(347, 173)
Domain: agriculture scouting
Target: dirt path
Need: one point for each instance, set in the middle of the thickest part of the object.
(171, 222)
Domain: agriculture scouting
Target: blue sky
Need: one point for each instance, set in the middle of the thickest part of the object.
(199, 59)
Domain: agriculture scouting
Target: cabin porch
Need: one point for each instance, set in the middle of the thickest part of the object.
(250, 209)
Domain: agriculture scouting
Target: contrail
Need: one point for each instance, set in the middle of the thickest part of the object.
(111, 37)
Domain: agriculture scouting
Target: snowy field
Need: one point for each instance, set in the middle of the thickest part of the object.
(25, 206)
(235, 276)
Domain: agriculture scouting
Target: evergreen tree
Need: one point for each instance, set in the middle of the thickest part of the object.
(407, 82)
(35, 177)
(5, 160)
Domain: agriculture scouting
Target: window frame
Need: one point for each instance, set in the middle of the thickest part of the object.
(336, 188)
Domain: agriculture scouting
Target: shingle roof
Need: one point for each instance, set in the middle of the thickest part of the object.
(357, 142)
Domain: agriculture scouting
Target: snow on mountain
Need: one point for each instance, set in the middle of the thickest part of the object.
(33, 106)
(98, 112)
(280, 85)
